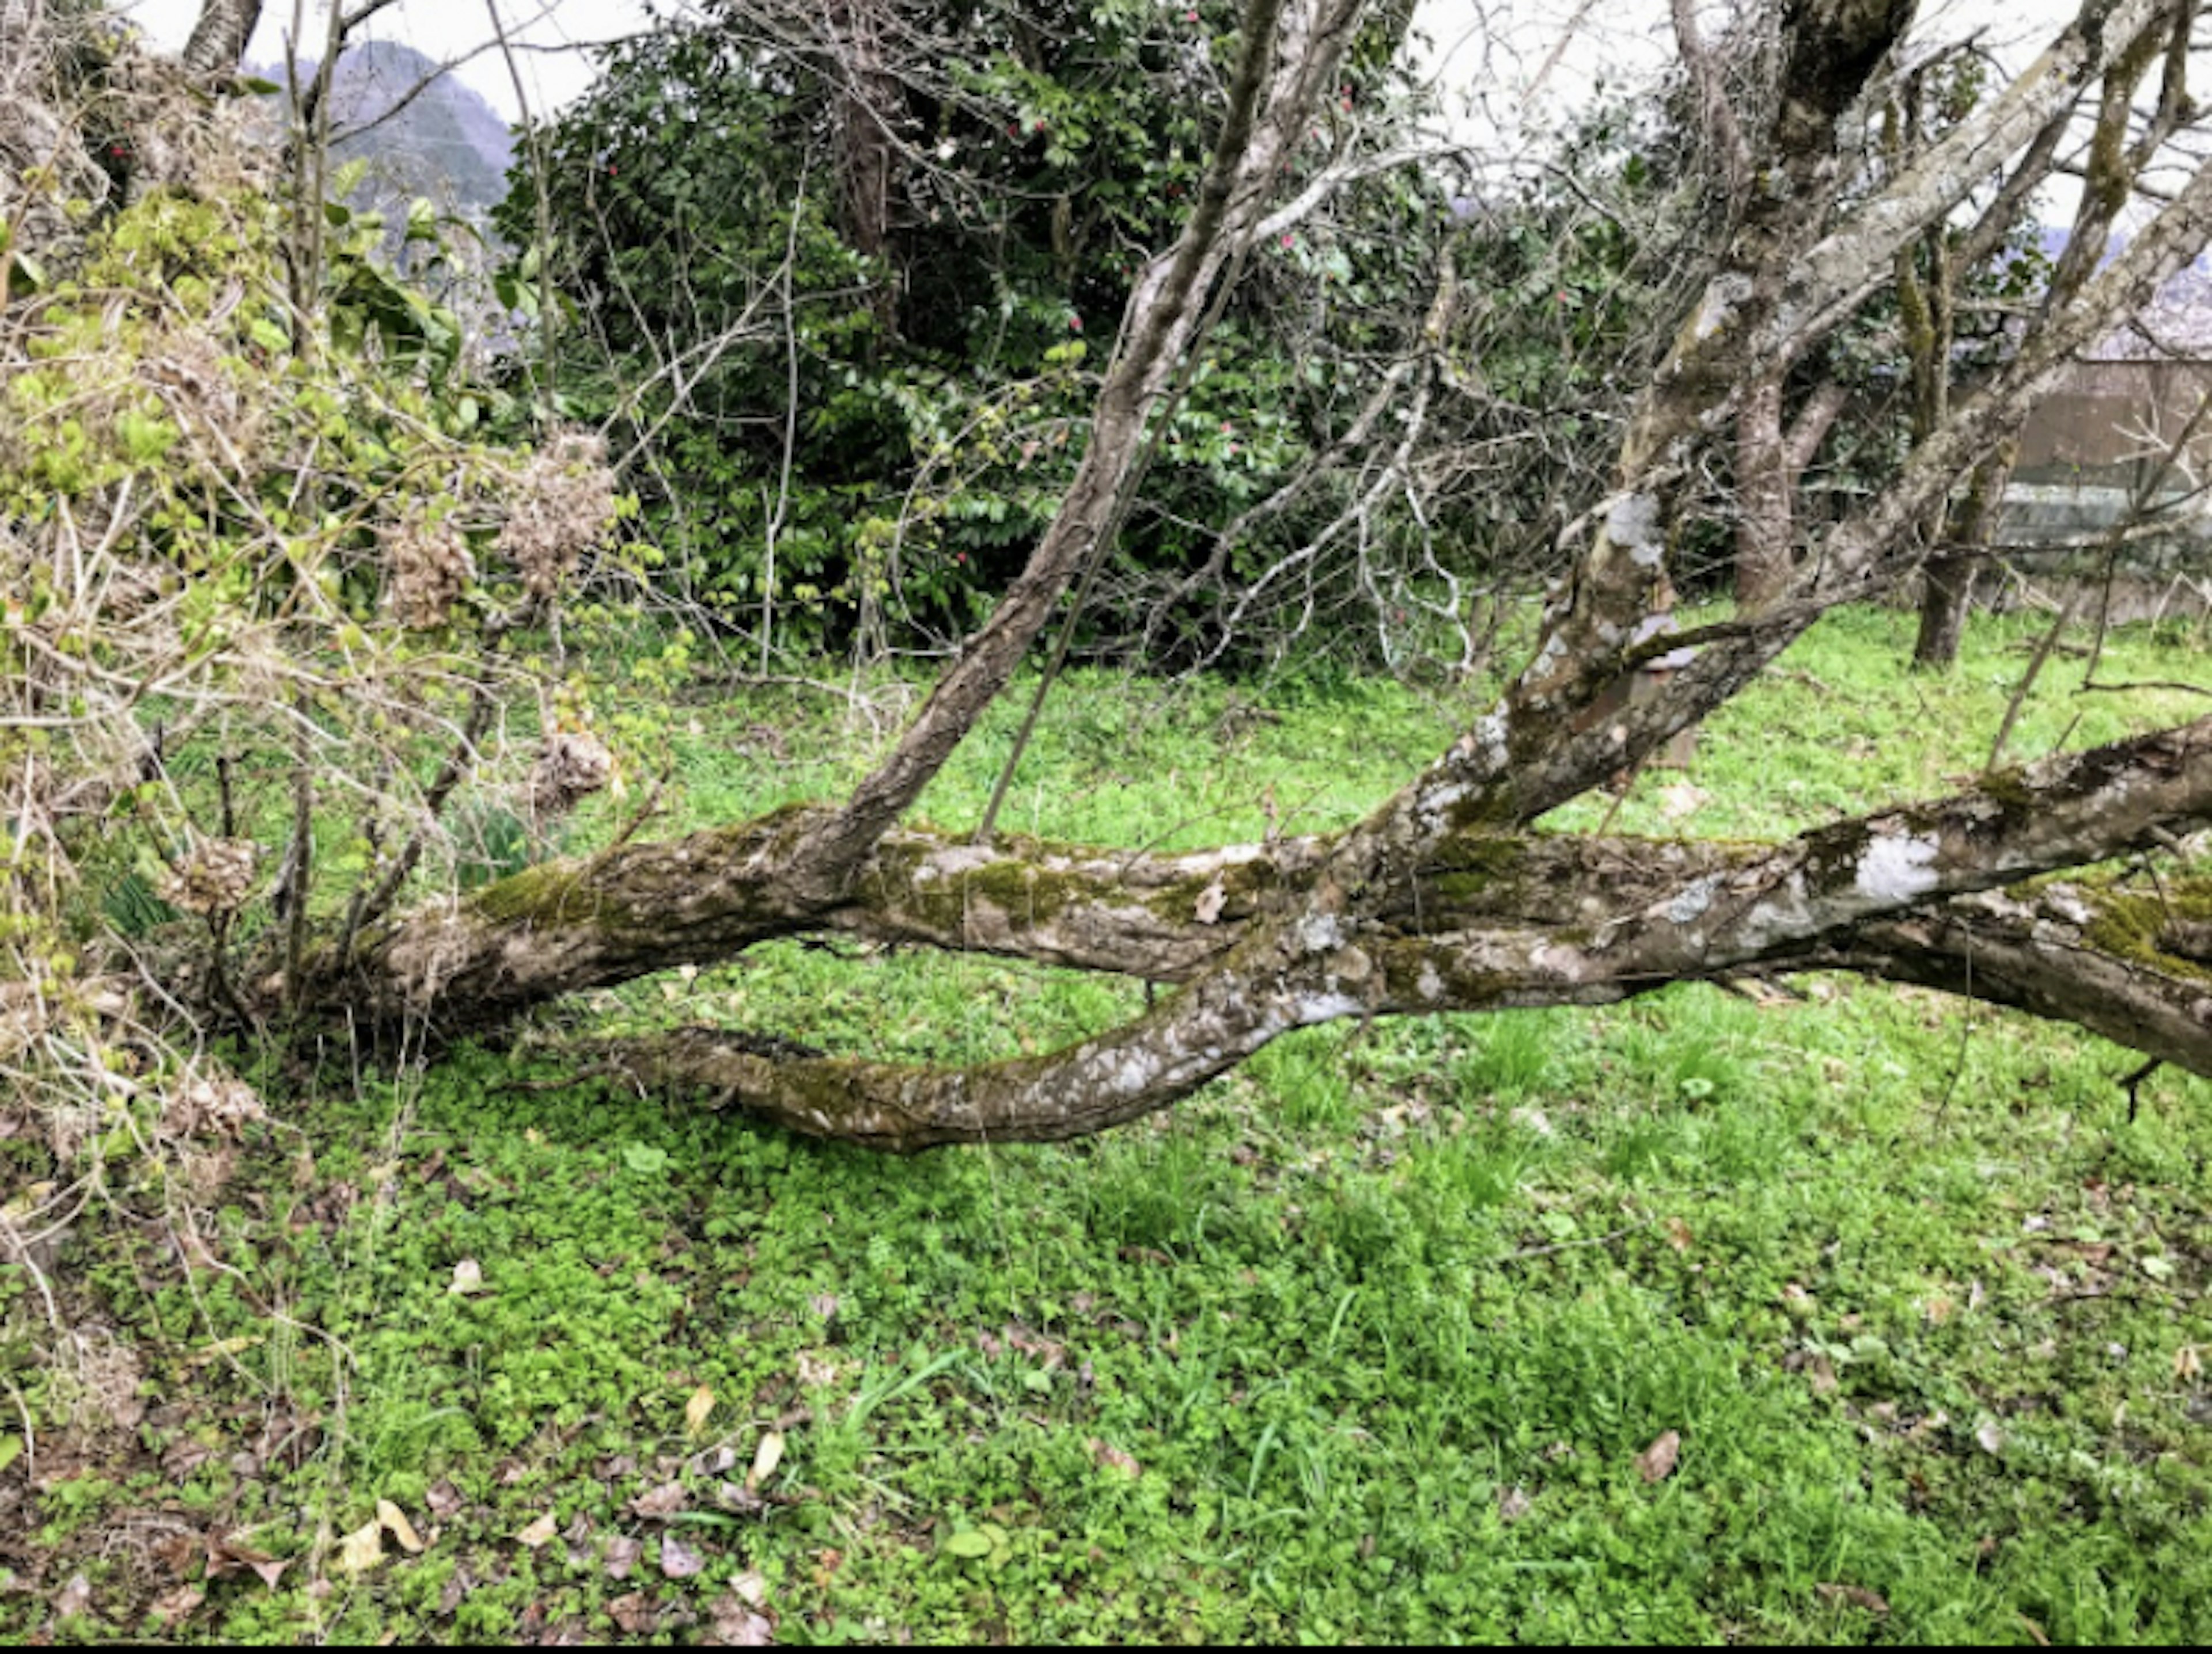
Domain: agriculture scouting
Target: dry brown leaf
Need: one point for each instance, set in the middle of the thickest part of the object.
(362, 1549)
(1211, 901)
(750, 1588)
(766, 1458)
(75, 1597)
(696, 1409)
(635, 1613)
(621, 1555)
(174, 1605)
(1512, 1505)
(678, 1561)
(2188, 1363)
(661, 1503)
(1824, 1376)
(228, 1555)
(1656, 1461)
(738, 1625)
(537, 1533)
(1678, 1234)
(1110, 1457)
(1856, 1596)
(395, 1524)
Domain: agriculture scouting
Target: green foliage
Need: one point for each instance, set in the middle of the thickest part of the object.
(940, 377)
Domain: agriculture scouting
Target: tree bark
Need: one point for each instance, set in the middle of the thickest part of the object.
(221, 36)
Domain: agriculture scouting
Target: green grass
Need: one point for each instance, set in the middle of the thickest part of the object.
(1362, 1343)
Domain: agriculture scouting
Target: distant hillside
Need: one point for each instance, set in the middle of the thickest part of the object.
(448, 143)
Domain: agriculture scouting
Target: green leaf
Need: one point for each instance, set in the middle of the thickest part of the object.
(11, 1449)
(968, 1544)
(348, 178)
(645, 1158)
(257, 86)
(145, 440)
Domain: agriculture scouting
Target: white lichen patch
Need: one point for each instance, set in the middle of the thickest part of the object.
(1719, 306)
(1490, 737)
(1693, 901)
(1316, 1009)
(1898, 868)
(1320, 932)
(1631, 522)
(1430, 986)
(953, 860)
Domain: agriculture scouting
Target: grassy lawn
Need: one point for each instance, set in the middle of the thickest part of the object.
(1371, 1340)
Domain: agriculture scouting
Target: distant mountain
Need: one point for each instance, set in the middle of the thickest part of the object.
(445, 142)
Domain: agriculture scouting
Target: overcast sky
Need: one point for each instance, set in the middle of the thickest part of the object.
(1494, 51)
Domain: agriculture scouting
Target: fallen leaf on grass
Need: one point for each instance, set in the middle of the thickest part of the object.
(1512, 1505)
(537, 1533)
(468, 1278)
(229, 1555)
(1656, 1461)
(1989, 1438)
(736, 1625)
(1856, 1596)
(635, 1614)
(678, 1561)
(696, 1409)
(1110, 1457)
(173, 1606)
(362, 1549)
(766, 1457)
(443, 1498)
(661, 1503)
(395, 1523)
(621, 1555)
(75, 1597)
(750, 1588)
(2188, 1363)
(1678, 1234)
